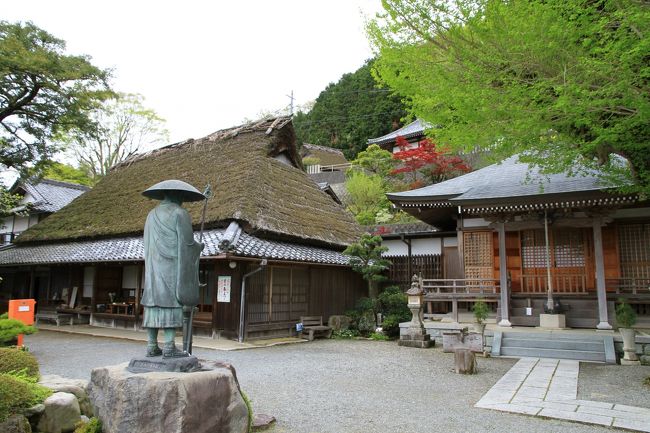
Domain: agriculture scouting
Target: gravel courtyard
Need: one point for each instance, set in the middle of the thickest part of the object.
(352, 386)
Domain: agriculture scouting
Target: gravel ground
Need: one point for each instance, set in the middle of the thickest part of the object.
(601, 382)
(335, 385)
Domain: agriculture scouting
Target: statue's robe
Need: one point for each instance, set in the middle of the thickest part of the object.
(171, 261)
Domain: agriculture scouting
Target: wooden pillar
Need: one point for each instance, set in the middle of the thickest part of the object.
(503, 277)
(600, 276)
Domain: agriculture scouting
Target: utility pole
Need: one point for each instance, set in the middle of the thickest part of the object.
(291, 98)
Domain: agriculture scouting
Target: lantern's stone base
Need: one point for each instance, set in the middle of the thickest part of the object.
(421, 341)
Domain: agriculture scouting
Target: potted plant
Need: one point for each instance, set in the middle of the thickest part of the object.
(625, 319)
(480, 310)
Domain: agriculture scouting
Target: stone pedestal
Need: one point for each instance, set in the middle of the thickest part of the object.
(552, 321)
(204, 401)
(416, 335)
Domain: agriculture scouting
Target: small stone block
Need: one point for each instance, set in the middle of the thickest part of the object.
(262, 422)
(515, 408)
(626, 362)
(420, 344)
(158, 363)
(598, 404)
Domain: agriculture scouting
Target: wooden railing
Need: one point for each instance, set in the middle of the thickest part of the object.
(466, 287)
(629, 286)
(317, 168)
(458, 290)
(562, 283)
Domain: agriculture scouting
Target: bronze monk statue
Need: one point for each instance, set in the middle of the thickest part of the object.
(171, 260)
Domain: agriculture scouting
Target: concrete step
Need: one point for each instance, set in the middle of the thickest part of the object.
(536, 352)
(562, 344)
(555, 344)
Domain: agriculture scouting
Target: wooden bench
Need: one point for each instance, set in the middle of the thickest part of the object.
(54, 316)
(313, 325)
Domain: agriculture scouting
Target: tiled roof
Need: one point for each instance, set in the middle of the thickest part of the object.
(510, 178)
(51, 195)
(131, 248)
(413, 129)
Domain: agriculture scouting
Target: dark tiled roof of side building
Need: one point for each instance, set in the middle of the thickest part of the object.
(52, 195)
(412, 130)
(510, 178)
(131, 249)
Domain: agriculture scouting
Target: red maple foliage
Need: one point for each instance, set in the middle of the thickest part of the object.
(432, 162)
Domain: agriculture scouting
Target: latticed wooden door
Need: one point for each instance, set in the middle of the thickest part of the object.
(568, 260)
(478, 255)
(634, 250)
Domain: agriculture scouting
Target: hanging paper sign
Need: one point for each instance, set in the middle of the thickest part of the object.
(223, 288)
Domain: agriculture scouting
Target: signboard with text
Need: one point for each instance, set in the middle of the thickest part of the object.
(223, 288)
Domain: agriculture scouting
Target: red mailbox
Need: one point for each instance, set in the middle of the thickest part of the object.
(23, 310)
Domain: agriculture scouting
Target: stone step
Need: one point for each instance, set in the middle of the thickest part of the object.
(563, 344)
(535, 352)
(554, 335)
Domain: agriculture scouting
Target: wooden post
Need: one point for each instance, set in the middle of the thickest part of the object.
(464, 361)
(503, 277)
(600, 276)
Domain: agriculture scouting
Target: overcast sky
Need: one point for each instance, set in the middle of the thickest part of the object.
(208, 65)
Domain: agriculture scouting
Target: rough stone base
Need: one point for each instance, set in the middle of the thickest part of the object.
(204, 401)
(626, 362)
(419, 341)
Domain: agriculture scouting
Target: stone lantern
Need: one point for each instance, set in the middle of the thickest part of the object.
(415, 335)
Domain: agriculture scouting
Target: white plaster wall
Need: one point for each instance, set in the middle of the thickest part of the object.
(418, 247)
(7, 224)
(450, 242)
(21, 224)
(474, 222)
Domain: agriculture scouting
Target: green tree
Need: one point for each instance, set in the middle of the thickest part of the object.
(123, 126)
(564, 81)
(367, 196)
(365, 258)
(67, 173)
(43, 92)
(347, 113)
(375, 160)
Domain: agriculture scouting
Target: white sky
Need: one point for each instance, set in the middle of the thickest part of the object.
(207, 65)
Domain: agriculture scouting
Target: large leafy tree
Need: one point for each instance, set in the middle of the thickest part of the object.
(349, 112)
(564, 81)
(43, 92)
(123, 126)
(67, 173)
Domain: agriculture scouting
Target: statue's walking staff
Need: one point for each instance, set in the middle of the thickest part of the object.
(187, 335)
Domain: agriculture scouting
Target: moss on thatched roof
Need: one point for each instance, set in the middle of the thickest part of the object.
(325, 155)
(270, 196)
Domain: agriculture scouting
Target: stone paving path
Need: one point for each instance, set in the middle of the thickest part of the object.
(549, 387)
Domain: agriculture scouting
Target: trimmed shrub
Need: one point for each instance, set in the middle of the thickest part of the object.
(393, 306)
(18, 392)
(12, 359)
(10, 328)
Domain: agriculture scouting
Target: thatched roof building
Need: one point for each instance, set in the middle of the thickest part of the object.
(256, 176)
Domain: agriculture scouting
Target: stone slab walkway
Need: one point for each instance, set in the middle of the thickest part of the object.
(549, 388)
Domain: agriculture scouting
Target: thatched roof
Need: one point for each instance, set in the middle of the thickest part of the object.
(325, 155)
(255, 174)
